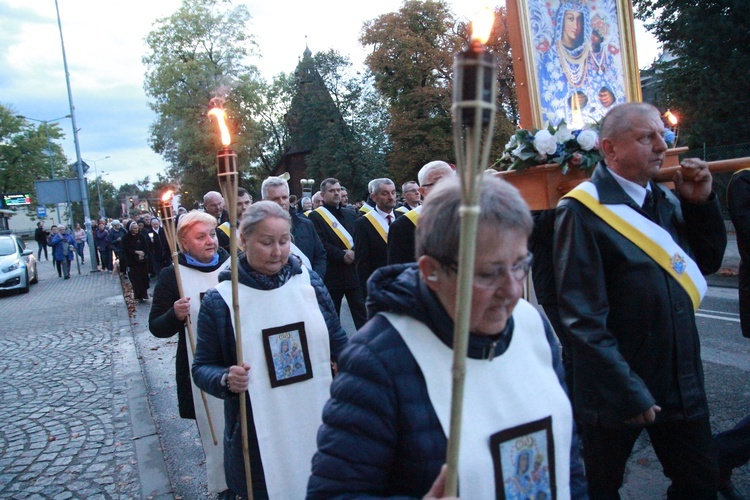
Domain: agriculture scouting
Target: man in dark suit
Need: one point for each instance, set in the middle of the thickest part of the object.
(213, 203)
(335, 226)
(371, 231)
(629, 261)
(401, 235)
(306, 243)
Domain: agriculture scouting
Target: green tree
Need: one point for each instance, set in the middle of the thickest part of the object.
(28, 153)
(411, 60)
(708, 82)
(194, 55)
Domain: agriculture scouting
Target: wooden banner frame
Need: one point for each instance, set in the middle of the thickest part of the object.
(525, 65)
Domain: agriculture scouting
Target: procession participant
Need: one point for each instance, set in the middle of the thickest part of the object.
(116, 234)
(335, 226)
(244, 200)
(213, 203)
(412, 198)
(344, 197)
(101, 243)
(317, 200)
(401, 235)
(371, 231)
(40, 236)
(200, 260)
(305, 242)
(288, 351)
(369, 203)
(136, 248)
(80, 235)
(384, 429)
(305, 205)
(629, 259)
(63, 247)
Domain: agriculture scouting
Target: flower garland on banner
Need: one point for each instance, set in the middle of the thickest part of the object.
(562, 146)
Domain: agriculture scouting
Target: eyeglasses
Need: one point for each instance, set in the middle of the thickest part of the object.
(415, 190)
(493, 279)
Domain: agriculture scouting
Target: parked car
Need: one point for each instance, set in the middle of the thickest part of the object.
(17, 264)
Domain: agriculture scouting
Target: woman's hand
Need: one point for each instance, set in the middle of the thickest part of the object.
(438, 487)
(182, 308)
(237, 380)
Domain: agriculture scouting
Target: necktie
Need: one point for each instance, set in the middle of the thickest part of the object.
(648, 205)
(388, 218)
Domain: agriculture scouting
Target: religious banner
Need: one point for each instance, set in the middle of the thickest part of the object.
(573, 59)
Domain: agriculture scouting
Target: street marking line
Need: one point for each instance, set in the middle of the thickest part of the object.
(719, 312)
(711, 316)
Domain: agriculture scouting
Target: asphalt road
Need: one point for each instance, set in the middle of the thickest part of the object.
(725, 352)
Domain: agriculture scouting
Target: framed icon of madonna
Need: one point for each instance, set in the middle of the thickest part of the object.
(573, 59)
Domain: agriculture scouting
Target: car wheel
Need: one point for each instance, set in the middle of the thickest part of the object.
(36, 274)
(25, 288)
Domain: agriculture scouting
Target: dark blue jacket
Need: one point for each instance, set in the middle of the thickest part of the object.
(306, 238)
(57, 243)
(380, 435)
(216, 352)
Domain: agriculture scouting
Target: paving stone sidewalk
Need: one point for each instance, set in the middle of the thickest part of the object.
(74, 414)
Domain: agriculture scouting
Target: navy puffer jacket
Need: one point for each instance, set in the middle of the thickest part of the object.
(216, 352)
(380, 435)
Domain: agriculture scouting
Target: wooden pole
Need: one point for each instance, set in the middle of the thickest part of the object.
(666, 173)
(170, 231)
(473, 111)
(229, 183)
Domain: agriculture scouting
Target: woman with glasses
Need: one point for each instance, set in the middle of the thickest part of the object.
(384, 429)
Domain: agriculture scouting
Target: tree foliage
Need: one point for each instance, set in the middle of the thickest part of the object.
(411, 60)
(708, 82)
(194, 55)
(28, 153)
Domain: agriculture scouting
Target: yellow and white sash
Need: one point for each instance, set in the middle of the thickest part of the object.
(504, 396)
(654, 240)
(379, 223)
(365, 208)
(286, 416)
(413, 215)
(402, 209)
(337, 227)
(225, 228)
(194, 285)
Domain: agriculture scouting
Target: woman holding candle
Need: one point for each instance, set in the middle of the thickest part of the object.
(281, 304)
(384, 429)
(136, 247)
(200, 262)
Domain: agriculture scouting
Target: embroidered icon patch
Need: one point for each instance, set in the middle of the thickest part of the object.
(678, 263)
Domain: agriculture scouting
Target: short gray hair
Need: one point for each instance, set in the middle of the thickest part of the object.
(429, 167)
(258, 212)
(619, 119)
(375, 184)
(272, 182)
(500, 204)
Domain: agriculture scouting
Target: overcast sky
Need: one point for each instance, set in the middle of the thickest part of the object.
(104, 44)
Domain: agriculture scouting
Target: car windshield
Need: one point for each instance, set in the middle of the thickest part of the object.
(7, 247)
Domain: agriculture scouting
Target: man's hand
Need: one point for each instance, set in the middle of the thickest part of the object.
(238, 378)
(349, 256)
(645, 418)
(693, 181)
(182, 308)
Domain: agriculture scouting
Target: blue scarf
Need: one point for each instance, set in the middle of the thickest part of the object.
(197, 263)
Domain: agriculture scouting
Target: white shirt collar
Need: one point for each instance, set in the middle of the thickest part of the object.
(634, 190)
(384, 214)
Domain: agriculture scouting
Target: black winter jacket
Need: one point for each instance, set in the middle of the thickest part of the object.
(630, 324)
(163, 323)
(381, 436)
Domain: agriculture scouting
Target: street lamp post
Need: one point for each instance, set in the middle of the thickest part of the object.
(102, 214)
(49, 146)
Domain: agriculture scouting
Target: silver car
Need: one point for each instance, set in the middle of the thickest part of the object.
(17, 264)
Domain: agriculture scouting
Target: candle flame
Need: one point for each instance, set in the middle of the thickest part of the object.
(671, 118)
(167, 197)
(221, 117)
(481, 25)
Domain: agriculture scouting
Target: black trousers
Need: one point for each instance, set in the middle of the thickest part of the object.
(42, 247)
(355, 301)
(686, 450)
